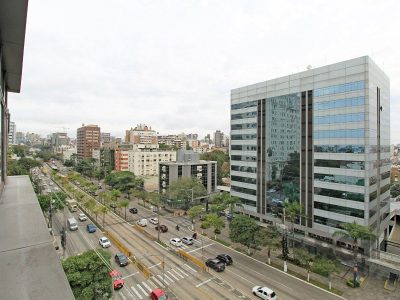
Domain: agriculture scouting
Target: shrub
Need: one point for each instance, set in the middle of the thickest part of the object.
(350, 283)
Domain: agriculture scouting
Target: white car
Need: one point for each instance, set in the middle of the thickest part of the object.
(264, 293)
(153, 221)
(56, 189)
(176, 242)
(104, 242)
(51, 183)
(142, 222)
(82, 217)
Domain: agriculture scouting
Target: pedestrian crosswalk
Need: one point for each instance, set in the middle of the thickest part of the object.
(143, 289)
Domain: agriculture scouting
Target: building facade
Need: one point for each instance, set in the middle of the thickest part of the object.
(145, 162)
(219, 139)
(141, 134)
(105, 138)
(121, 160)
(314, 137)
(87, 139)
(59, 139)
(12, 134)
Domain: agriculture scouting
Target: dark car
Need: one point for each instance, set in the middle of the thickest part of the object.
(113, 205)
(215, 264)
(133, 210)
(90, 228)
(121, 259)
(225, 258)
(163, 228)
(229, 216)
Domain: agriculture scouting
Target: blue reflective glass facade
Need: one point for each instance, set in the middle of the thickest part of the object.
(340, 88)
(339, 103)
(343, 118)
(339, 133)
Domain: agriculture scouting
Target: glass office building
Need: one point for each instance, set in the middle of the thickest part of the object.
(313, 137)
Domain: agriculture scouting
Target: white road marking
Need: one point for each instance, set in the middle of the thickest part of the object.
(204, 282)
(140, 287)
(156, 281)
(193, 270)
(177, 273)
(173, 275)
(146, 286)
(183, 272)
(169, 278)
(161, 278)
(136, 292)
(150, 282)
(154, 265)
(122, 295)
(130, 275)
(194, 250)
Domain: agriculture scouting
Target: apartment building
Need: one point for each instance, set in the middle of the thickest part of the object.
(145, 161)
(219, 139)
(320, 137)
(88, 139)
(121, 160)
(12, 134)
(141, 134)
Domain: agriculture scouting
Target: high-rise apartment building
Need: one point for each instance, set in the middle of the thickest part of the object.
(88, 138)
(320, 137)
(59, 139)
(141, 134)
(105, 138)
(12, 134)
(219, 139)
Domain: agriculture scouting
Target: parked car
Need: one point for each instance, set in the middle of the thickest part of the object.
(113, 205)
(163, 228)
(117, 280)
(264, 293)
(153, 221)
(176, 242)
(104, 242)
(158, 294)
(121, 259)
(142, 222)
(215, 264)
(133, 210)
(82, 217)
(187, 240)
(225, 258)
(90, 228)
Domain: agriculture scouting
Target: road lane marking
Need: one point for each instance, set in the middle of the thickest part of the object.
(130, 275)
(194, 250)
(204, 282)
(161, 278)
(167, 277)
(177, 273)
(122, 295)
(156, 281)
(173, 275)
(136, 292)
(150, 282)
(146, 286)
(140, 287)
(187, 266)
(183, 272)
(154, 265)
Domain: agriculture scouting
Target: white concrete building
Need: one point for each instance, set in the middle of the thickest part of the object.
(145, 162)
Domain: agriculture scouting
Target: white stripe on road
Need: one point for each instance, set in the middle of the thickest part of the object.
(204, 282)
(194, 250)
(169, 272)
(146, 286)
(122, 295)
(161, 278)
(183, 272)
(152, 284)
(136, 292)
(193, 270)
(140, 287)
(154, 265)
(167, 277)
(156, 281)
(133, 274)
(177, 273)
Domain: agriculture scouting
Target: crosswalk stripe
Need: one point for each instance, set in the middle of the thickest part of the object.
(193, 270)
(153, 285)
(122, 295)
(161, 278)
(177, 273)
(196, 241)
(167, 277)
(136, 292)
(156, 281)
(169, 272)
(183, 272)
(146, 286)
(140, 287)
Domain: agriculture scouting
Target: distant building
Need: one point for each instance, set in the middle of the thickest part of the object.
(59, 139)
(12, 134)
(96, 156)
(33, 139)
(88, 139)
(67, 153)
(105, 138)
(121, 160)
(141, 134)
(188, 165)
(219, 139)
(145, 162)
(171, 141)
(20, 138)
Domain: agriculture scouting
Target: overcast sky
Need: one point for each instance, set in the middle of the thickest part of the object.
(172, 64)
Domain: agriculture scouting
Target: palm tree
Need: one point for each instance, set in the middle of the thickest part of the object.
(96, 210)
(194, 212)
(124, 204)
(273, 240)
(104, 210)
(115, 194)
(231, 202)
(214, 221)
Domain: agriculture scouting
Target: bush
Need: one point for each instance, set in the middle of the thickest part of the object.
(350, 283)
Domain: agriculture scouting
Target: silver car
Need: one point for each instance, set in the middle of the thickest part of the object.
(187, 240)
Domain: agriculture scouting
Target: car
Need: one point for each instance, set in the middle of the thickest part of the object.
(117, 280)
(90, 228)
(163, 228)
(229, 216)
(50, 183)
(104, 242)
(133, 210)
(121, 259)
(142, 222)
(215, 264)
(187, 240)
(176, 242)
(113, 205)
(56, 189)
(82, 217)
(264, 293)
(158, 294)
(225, 258)
(153, 221)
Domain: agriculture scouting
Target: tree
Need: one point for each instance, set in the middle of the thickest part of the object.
(124, 204)
(139, 194)
(115, 194)
(293, 211)
(243, 229)
(88, 276)
(124, 181)
(186, 189)
(96, 211)
(304, 258)
(220, 157)
(395, 190)
(269, 237)
(104, 210)
(212, 220)
(90, 204)
(194, 212)
(231, 202)
(21, 166)
(325, 267)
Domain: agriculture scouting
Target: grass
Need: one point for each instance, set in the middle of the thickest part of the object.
(225, 243)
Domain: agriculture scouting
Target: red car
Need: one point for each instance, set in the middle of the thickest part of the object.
(117, 280)
(158, 294)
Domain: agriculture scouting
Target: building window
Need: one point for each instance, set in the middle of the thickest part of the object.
(340, 88)
(338, 103)
(343, 179)
(358, 213)
(341, 164)
(349, 148)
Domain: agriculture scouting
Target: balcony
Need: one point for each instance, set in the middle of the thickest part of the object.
(30, 267)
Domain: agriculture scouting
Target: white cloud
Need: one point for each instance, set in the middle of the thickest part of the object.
(172, 64)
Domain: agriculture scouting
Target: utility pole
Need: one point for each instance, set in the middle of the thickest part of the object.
(51, 212)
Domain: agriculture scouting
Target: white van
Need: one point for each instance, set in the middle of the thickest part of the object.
(72, 224)
(142, 222)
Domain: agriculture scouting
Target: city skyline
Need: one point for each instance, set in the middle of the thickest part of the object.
(178, 78)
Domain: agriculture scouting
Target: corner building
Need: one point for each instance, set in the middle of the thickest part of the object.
(313, 137)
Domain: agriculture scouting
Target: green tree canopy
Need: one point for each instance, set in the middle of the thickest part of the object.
(21, 166)
(395, 190)
(88, 275)
(243, 229)
(221, 158)
(124, 181)
(185, 188)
